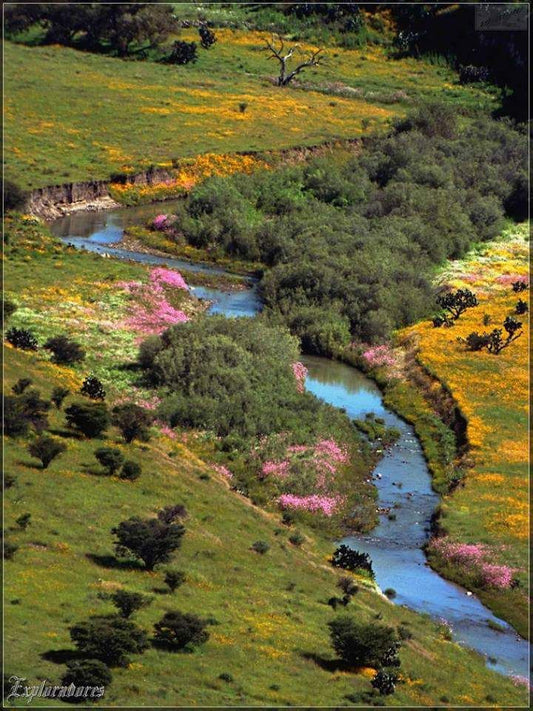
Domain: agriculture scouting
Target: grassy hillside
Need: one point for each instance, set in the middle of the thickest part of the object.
(99, 115)
(490, 509)
(269, 612)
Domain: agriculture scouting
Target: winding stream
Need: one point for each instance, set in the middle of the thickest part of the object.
(401, 477)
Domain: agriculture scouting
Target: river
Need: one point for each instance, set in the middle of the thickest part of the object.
(402, 477)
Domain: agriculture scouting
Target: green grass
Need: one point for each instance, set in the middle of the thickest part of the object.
(271, 610)
(100, 115)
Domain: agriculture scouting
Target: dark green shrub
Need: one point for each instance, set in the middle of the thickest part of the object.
(8, 309)
(8, 481)
(21, 385)
(58, 395)
(23, 411)
(174, 579)
(91, 419)
(21, 338)
(132, 420)
(521, 307)
(385, 682)
(177, 631)
(261, 547)
(14, 197)
(360, 644)
(46, 449)
(87, 672)
(457, 302)
(110, 458)
(93, 388)
(151, 540)
(23, 521)
(226, 677)
(64, 350)
(390, 593)
(182, 53)
(296, 539)
(109, 638)
(347, 585)
(519, 286)
(129, 602)
(130, 471)
(350, 559)
(477, 341)
(207, 37)
(10, 549)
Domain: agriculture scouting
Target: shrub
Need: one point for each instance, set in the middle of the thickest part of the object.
(519, 286)
(477, 341)
(347, 585)
(64, 350)
(360, 644)
(521, 307)
(8, 309)
(58, 395)
(23, 521)
(21, 385)
(226, 677)
(130, 470)
(174, 579)
(296, 539)
(132, 420)
(182, 53)
(350, 559)
(261, 547)
(111, 459)
(129, 602)
(10, 549)
(151, 540)
(91, 419)
(21, 411)
(21, 338)
(207, 37)
(178, 630)
(93, 388)
(87, 672)
(46, 449)
(109, 638)
(456, 303)
(14, 196)
(470, 74)
(390, 593)
(8, 481)
(385, 682)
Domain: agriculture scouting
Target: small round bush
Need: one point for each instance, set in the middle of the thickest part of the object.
(110, 458)
(21, 385)
(10, 549)
(177, 631)
(46, 449)
(64, 350)
(93, 388)
(174, 579)
(130, 470)
(390, 593)
(296, 539)
(261, 547)
(22, 338)
(225, 677)
(86, 672)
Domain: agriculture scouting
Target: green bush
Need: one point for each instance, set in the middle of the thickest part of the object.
(22, 338)
(177, 631)
(87, 672)
(110, 458)
(130, 470)
(93, 388)
(65, 351)
(132, 420)
(261, 547)
(174, 579)
(91, 419)
(129, 602)
(23, 411)
(46, 449)
(350, 559)
(151, 540)
(59, 393)
(109, 638)
(360, 644)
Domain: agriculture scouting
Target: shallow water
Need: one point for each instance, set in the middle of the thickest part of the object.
(402, 478)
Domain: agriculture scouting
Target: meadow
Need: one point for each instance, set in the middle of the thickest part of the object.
(269, 613)
(490, 507)
(101, 116)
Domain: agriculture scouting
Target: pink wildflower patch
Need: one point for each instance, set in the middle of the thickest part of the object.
(167, 431)
(159, 221)
(507, 279)
(474, 558)
(224, 471)
(160, 275)
(379, 356)
(300, 373)
(315, 504)
(276, 469)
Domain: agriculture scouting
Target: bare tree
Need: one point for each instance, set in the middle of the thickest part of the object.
(276, 47)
